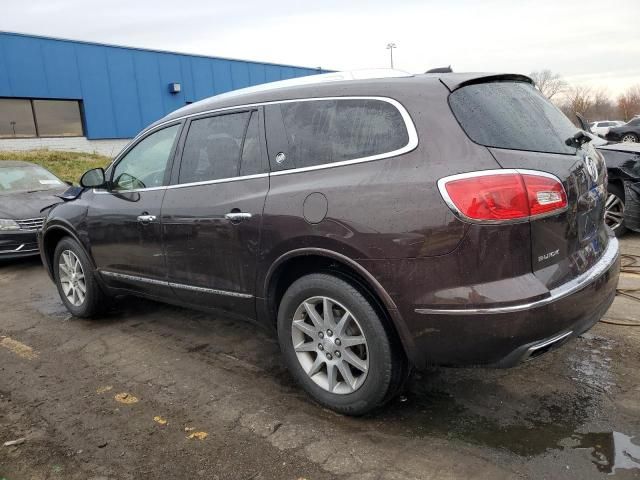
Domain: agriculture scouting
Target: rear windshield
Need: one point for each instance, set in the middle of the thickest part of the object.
(511, 115)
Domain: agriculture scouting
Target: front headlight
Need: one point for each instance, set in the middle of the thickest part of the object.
(7, 225)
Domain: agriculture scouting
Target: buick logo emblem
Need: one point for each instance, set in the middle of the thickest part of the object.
(592, 167)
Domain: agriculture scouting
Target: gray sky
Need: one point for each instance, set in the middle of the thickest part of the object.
(589, 42)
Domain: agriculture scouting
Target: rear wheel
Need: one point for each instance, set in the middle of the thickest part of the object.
(75, 279)
(614, 210)
(630, 138)
(336, 345)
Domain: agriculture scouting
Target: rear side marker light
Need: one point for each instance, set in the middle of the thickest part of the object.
(508, 195)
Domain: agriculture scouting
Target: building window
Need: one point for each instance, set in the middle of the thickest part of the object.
(22, 118)
(16, 118)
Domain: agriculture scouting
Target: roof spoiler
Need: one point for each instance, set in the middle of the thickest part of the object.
(459, 80)
(440, 70)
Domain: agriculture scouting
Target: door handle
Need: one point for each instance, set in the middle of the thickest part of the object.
(145, 219)
(237, 216)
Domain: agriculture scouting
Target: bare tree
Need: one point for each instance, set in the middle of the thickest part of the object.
(549, 83)
(578, 99)
(629, 103)
(602, 107)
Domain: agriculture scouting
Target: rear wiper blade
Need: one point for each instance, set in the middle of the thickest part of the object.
(579, 139)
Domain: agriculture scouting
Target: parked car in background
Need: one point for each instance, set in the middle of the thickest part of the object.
(623, 200)
(373, 222)
(629, 132)
(601, 128)
(25, 188)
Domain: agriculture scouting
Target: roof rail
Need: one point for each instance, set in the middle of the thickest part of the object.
(366, 74)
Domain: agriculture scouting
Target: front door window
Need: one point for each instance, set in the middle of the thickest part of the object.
(145, 165)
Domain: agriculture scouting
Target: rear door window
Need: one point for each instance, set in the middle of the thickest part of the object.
(512, 115)
(326, 131)
(213, 148)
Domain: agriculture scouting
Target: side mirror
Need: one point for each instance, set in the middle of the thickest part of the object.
(93, 178)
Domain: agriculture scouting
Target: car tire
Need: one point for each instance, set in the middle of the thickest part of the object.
(630, 138)
(311, 349)
(614, 209)
(76, 281)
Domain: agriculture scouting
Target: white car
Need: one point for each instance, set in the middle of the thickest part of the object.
(601, 128)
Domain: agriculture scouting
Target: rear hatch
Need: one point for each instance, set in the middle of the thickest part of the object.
(523, 130)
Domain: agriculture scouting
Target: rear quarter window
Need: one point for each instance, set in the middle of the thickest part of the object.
(327, 131)
(511, 115)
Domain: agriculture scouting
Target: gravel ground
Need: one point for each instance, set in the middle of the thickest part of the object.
(154, 391)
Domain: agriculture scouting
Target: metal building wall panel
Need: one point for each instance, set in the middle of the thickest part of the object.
(147, 76)
(272, 73)
(202, 72)
(257, 74)
(169, 73)
(96, 92)
(27, 76)
(239, 75)
(61, 70)
(187, 79)
(221, 76)
(124, 92)
(122, 89)
(5, 86)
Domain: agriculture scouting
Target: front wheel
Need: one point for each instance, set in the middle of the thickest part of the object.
(630, 138)
(336, 345)
(75, 279)
(614, 210)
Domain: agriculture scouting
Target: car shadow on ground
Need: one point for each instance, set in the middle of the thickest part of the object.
(528, 410)
(562, 400)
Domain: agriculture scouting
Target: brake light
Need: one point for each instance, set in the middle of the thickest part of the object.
(503, 195)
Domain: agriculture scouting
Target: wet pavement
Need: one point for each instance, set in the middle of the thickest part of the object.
(154, 391)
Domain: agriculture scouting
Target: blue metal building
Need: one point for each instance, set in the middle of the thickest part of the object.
(116, 90)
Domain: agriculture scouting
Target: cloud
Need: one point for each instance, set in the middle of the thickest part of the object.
(581, 39)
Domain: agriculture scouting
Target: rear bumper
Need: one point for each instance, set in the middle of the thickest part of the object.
(18, 244)
(506, 335)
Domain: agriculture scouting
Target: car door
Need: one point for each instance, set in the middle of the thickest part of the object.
(212, 214)
(123, 221)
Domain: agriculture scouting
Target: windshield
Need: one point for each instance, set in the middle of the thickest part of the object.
(512, 115)
(26, 178)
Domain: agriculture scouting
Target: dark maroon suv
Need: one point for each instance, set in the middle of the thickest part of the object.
(375, 223)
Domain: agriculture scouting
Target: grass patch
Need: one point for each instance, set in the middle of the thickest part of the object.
(68, 166)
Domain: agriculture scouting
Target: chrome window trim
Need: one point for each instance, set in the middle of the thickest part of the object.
(164, 283)
(609, 256)
(502, 171)
(112, 192)
(184, 185)
(220, 180)
(412, 142)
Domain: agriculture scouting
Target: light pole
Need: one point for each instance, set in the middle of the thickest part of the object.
(390, 47)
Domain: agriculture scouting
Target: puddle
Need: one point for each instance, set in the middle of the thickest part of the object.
(591, 363)
(477, 408)
(610, 451)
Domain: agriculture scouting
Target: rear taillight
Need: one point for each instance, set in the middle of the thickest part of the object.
(503, 195)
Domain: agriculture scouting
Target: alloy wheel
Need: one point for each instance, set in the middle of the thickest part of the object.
(629, 138)
(330, 345)
(72, 278)
(614, 211)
